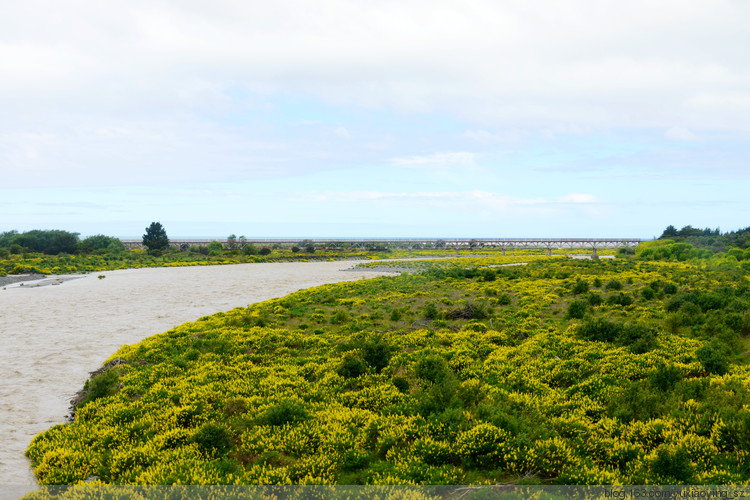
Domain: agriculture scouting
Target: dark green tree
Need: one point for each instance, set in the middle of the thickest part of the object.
(51, 242)
(669, 232)
(155, 237)
(7, 238)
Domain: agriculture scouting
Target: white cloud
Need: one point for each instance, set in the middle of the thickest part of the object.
(342, 133)
(532, 63)
(132, 152)
(460, 200)
(680, 134)
(436, 160)
(33, 65)
(484, 137)
(579, 198)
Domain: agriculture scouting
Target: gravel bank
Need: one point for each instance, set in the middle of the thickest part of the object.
(15, 278)
(37, 280)
(383, 269)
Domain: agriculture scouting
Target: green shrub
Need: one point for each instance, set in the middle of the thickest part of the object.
(265, 251)
(376, 352)
(430, 311)
(487, 275)
(340, 317)
(620, 299)
(738, 322)
(580, 287)
(438, 396)
(594, 299)
(432, 368)
(214, 439)
(637, 337)
(637, 402)
(673, 465)
(665, 376)
(287, 411)
(504, 300)
(99, 386)
(714, 357)
(192, 354)
(600, 330)
(613, 285)
(354, 459)
(401, 384)
(351, 366)
(576, 310)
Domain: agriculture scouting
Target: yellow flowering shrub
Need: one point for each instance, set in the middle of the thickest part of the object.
(464, 372)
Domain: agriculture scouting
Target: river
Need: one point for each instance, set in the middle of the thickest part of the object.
(51, 337)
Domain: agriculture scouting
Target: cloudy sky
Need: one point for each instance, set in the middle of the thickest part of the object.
(467, 118)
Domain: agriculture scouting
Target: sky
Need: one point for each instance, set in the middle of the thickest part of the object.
(404, 118)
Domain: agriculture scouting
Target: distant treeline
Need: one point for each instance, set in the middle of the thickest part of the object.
(709, 238)
(691, 243)
(56, 241)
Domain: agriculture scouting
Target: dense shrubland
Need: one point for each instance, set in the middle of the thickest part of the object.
(560, 371)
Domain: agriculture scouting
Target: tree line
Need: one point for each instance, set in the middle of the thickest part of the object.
(56, 241)
(712, 239)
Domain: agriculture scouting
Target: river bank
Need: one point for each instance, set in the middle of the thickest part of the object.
(53, 336)
(19, 278)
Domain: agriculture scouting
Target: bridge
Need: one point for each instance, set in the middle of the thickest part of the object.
(455, 243)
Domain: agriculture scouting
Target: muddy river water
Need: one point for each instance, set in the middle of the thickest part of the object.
(52, 336)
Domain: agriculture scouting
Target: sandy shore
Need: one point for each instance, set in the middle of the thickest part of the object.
(54, 336)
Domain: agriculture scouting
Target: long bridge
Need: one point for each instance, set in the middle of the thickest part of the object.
(456, 243)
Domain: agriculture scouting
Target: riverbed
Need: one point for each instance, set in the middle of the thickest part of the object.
(52, 336)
